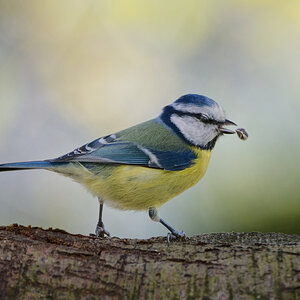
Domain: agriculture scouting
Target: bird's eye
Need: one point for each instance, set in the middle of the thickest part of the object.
(204, 117)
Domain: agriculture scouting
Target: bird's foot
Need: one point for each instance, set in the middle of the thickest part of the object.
(175, 235)
(101, 231)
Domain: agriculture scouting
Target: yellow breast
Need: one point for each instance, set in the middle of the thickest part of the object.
(138, 188)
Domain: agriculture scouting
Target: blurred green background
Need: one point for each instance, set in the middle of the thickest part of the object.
(72, 71)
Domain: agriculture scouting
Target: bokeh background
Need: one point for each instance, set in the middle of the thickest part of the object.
(72, 71)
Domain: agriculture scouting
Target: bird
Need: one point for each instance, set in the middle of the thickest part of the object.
(142, 167)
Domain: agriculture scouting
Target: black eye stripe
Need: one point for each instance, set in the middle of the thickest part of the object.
(202, 117)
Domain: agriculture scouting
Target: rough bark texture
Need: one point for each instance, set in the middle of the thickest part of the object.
(46, 264)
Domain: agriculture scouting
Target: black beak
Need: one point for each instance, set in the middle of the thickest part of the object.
(225, 130)
(228, 122)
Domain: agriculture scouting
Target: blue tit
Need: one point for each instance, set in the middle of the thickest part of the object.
(144, 166)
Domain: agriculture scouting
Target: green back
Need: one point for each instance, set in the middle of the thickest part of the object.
(153, 134)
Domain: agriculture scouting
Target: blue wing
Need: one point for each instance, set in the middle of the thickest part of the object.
(109, 150)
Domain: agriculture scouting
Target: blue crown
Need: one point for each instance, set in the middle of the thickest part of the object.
(198, 100)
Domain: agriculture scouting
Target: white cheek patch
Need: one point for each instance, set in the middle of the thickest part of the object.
(215, 112)
(194, 130)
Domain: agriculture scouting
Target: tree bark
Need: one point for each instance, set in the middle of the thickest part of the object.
(53, 264)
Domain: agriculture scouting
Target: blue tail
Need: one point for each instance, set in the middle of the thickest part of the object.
(28, 165)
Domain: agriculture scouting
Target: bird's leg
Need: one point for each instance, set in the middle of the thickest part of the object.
(173, 234)
(100, 230)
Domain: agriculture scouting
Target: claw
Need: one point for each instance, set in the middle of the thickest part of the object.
(174, 235)
(101, 231)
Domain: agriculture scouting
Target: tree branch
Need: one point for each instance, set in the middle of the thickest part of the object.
(38, 263)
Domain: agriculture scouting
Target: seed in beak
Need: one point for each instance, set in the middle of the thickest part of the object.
(242, 134)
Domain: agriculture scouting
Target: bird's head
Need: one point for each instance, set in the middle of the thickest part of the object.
(197, 119)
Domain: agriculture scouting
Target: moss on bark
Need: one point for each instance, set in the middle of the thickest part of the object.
(53, 264)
